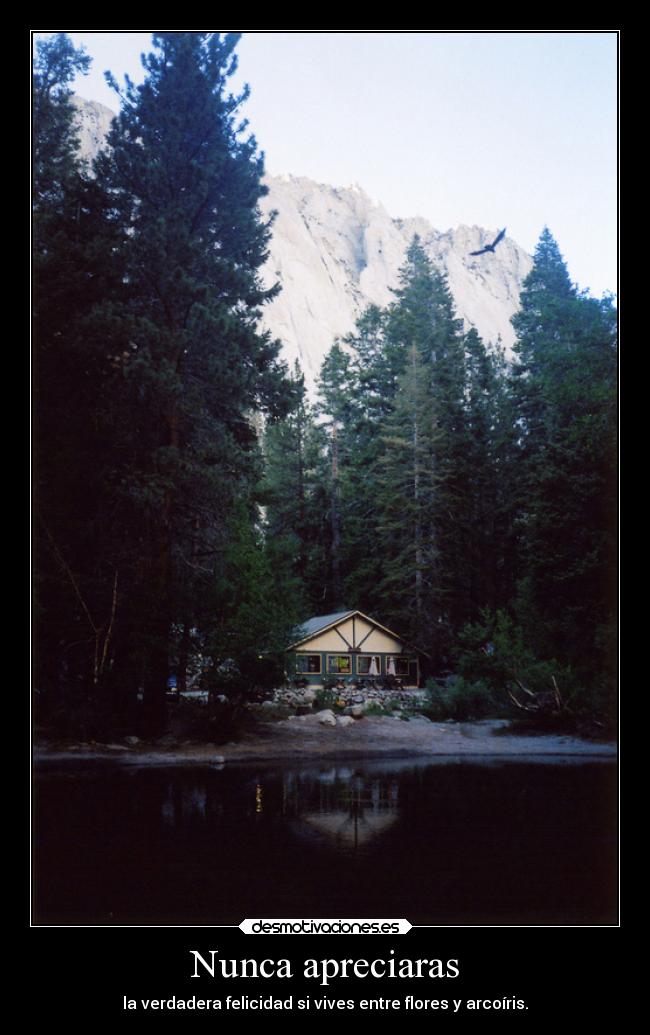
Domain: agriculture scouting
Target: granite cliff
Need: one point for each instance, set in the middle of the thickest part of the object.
(335, 251)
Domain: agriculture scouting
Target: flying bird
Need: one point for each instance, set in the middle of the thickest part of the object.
(491, 247)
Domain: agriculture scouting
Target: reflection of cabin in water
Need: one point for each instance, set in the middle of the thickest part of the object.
(344, 809)
(348, 645)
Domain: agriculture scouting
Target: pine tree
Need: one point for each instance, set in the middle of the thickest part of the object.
(372, 378)
(423, 317)
(564, 386)
(339, 407)
(73, 271)
(164, 336)
(545, 325)
(293, 520)
(57, 62)
(185, 183)
(406, 486)
(405, 364)
(488, 462)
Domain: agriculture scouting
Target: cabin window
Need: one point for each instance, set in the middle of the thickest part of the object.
(308, 663)
(339, 664)
(364, 663)
(401, 665)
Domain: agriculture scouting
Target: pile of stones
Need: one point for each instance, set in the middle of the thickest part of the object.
(294, 698)
(354, 701)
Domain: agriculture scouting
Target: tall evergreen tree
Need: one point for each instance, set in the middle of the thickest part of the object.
(425, 433)
(488, 461)
(293, 499)
(423, 317)
(54, 146)
(75, 268)
(407, 486)
(564, 386)
(372, 380)
(152, 367)
(339, 410)
(185, 183)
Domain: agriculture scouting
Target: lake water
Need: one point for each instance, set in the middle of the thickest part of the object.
(453, 843)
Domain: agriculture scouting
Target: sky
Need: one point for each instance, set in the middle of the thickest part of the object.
(496, 129)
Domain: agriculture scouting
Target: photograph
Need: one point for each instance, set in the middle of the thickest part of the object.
(325, 478)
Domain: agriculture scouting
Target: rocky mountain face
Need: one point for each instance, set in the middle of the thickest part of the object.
(335, 251)
(93, 123)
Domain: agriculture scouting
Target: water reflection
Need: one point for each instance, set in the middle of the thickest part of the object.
(504, 843)
(182, 804)
(346, 809)
(342, 807)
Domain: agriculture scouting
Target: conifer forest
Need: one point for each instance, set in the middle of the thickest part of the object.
(192, 505)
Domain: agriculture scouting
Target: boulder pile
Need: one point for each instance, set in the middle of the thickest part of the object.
(352, 700)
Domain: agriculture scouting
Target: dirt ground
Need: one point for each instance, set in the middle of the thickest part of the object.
(304, 738)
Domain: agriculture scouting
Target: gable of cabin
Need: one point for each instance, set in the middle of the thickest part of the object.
(343, 645)
(353, 634)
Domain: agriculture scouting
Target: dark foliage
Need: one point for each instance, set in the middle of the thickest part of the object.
(191, 508)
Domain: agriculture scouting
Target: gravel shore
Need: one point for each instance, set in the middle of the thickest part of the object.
(304, 738)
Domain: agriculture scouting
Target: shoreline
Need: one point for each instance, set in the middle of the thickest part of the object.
(301, 740)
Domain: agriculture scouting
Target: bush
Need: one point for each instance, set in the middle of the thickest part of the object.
(460, 699)
(376, 709)
(272, 712)
(493, 653)
(85, 718)
(326, 698)
(215, 722)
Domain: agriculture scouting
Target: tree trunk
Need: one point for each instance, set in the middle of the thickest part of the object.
(416, 498)
(183, 657)
(335, 523)
(159, 624)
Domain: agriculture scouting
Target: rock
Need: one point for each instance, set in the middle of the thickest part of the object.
(336, 251)
(345, 720)
(131, 741)
(356, 711)
(326, 717)
(94, 121)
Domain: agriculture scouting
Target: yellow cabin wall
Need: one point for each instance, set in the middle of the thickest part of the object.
(332, 642)
(326, 641)
(380, 641)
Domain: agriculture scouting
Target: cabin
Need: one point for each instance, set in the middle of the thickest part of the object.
(350, 646)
